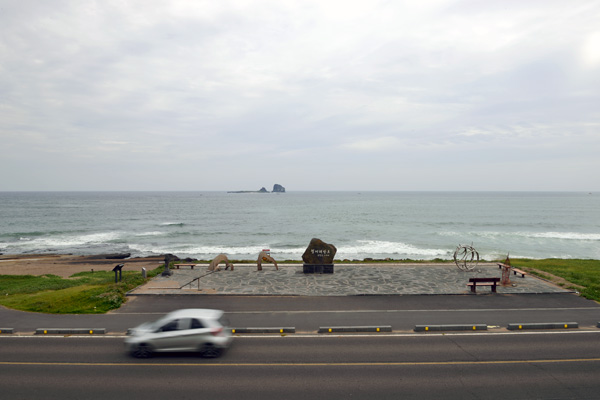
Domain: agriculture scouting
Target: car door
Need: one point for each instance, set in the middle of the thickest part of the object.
(167, 336)
(194, 333)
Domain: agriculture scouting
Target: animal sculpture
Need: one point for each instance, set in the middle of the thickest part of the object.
(214, 264)
(264, 257)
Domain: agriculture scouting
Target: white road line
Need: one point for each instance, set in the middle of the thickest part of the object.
(336, 336)
(487, 310)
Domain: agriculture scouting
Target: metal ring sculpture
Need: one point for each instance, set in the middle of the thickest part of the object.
(466, 257)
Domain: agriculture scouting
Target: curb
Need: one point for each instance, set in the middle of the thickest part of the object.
(70, 331)
(548, 325)
(6, 330)
(263, 330)
(472, 327)
(355, 329)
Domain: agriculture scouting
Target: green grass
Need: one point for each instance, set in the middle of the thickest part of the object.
(82, 293)
(97, 292)
(585, 273)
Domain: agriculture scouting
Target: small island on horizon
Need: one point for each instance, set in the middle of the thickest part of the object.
(277, 188)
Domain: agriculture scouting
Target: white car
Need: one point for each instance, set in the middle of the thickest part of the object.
(194, 329)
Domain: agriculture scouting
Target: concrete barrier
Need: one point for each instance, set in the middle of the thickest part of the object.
(543, 325)
(438, 328)
(264, 330)
(355, 329)
(6, 330)
(70, 331)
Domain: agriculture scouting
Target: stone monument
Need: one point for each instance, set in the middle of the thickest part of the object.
(318, 257)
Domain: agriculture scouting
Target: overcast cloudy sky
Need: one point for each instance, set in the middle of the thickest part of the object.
(313, 95)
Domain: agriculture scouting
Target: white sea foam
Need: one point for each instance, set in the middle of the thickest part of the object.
(357, 250)
(385, 247)
(65, 241)
(526, 234)
(567, 235)
(152, 233)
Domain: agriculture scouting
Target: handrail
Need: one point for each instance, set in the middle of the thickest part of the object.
(197, 279)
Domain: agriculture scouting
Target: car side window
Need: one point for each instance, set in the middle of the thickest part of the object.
(171, 326)
(184, 324)
(196, 324)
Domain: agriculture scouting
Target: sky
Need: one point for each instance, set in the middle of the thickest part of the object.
(310, 94)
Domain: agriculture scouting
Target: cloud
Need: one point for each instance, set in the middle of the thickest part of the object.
(354, 82)
(386, 143)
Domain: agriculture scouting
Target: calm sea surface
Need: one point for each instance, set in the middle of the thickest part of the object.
(398, 225)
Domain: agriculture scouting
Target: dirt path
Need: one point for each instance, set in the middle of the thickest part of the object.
(67, 265)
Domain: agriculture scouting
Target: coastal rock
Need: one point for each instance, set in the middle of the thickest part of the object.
(115, 256)
(263, 190)
(171, 257)
(277, 188)
(319, 252)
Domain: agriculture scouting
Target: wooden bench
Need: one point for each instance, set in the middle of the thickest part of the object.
(184, 265)
(474, 282)
(518, 271)
(514, 270)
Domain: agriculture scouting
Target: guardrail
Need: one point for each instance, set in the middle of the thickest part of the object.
(70, 331)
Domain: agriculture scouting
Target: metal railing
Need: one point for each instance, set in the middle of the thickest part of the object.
(196, 279)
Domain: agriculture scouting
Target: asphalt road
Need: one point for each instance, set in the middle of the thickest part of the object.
(559, 365)
(307, 314)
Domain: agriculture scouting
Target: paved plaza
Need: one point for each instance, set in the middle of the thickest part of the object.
(347, 280)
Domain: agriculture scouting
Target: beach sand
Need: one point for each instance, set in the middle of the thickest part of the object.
(65, 265)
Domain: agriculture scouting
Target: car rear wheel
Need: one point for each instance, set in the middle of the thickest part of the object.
(142, 351)
(209, 350)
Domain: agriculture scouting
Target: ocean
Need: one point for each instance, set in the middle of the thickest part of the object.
(380, 225)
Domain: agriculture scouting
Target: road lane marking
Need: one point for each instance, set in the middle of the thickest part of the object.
(487, 310)
(305, 335)
(316, 364)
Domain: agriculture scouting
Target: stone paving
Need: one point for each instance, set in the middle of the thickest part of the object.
(347, 280)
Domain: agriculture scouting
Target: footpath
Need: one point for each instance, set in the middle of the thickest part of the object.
(347, 280)
(393, 297)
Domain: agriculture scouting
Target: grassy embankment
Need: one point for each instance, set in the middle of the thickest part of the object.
(580, 275)
(82, 293)
(89, 293)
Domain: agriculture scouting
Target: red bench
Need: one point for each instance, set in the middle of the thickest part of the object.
(474, 282)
